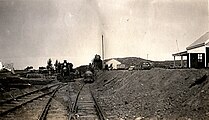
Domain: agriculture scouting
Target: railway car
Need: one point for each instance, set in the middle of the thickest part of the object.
(89, 77)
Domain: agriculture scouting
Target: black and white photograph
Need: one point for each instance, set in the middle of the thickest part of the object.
(104, 60)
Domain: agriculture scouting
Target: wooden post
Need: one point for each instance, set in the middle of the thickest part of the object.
(174, 64)
(189, 60)
(205, 59)
(182, 64)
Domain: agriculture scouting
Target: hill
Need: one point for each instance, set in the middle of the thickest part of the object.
(134, 61)
(130, 61)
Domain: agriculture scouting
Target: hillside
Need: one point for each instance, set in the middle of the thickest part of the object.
(134, 61)
(155, 94)
(129, 61)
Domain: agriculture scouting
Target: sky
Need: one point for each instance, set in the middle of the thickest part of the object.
(32, 31)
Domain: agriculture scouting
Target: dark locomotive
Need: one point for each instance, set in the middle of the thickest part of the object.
(65, 71)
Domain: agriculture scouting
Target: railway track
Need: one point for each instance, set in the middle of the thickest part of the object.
(10, 105)
(45, 110)
(26, 93)
(85, 106)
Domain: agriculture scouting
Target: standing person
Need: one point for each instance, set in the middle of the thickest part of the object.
(56, 66)
(49, 66)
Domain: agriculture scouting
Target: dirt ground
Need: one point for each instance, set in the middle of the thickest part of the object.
(168, 94)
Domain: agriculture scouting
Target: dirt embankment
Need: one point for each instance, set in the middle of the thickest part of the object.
(156, 93)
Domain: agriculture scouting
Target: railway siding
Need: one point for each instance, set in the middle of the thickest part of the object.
(30, 106)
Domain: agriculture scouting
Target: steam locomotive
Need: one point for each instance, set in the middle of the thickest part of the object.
(65, 72)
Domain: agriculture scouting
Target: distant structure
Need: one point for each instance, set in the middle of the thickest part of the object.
(9, 67)
(125, 63)
(115, 63)
(197, 53)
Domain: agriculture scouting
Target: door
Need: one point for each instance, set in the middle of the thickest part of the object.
(194, 60)
(197, 60)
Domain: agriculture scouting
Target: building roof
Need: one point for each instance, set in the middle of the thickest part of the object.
(113, 59)
(184, 53)
(199, 42)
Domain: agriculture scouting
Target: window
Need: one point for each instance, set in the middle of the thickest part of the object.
(199, 57)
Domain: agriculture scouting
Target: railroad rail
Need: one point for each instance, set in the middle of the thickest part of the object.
(100, 112)
(74, 108)
(48, 104)
(12, 104)
(86, 106)
(28, 93)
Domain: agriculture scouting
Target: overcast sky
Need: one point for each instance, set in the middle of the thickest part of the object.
(31, 31)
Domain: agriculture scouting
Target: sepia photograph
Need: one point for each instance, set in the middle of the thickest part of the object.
(104, 60)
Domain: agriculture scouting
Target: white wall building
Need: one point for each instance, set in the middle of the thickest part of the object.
(114, 63)
(197, 53)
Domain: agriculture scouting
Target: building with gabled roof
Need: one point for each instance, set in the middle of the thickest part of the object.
(114, 63)
(202, 41)
(126, 62)
(197, 53)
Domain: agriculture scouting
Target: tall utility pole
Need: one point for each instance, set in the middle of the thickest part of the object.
(103, 64)
(102, 47)
(147, 56)
(177, 45)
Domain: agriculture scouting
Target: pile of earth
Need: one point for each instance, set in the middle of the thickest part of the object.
(155, 94)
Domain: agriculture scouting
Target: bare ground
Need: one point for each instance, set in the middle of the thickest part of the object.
(155, 94)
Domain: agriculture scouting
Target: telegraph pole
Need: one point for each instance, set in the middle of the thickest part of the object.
(147, 56)
(177, 45)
